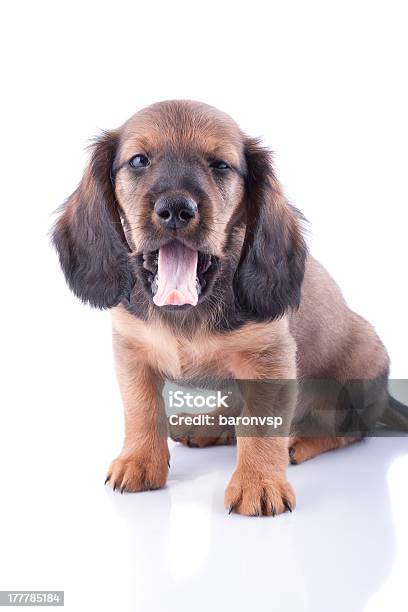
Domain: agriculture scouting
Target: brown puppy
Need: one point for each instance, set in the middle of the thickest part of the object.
(181, 228)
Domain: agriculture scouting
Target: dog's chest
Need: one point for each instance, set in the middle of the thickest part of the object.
(175, 356)
(178, 357)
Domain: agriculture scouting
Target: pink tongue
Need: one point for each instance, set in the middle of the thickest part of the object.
(176, 276)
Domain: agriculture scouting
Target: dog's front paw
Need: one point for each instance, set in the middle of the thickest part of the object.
(138, 472)
(254, 495)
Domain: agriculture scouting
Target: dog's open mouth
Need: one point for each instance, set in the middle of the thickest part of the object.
(177, 274)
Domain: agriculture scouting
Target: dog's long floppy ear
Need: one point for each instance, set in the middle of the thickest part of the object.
(270, 272)
(89, 237)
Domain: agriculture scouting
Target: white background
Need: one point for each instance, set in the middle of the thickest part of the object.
(325, 84)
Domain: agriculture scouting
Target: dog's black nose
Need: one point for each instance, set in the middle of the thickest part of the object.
(175, 212)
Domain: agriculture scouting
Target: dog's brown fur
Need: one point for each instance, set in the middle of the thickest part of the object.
(270, 311)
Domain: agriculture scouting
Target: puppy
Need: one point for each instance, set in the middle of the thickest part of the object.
(180, 227)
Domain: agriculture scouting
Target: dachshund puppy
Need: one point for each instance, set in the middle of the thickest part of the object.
(180, 227)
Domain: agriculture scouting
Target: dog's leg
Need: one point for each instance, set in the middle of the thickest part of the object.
(259, 485)
(356, 404)
(143, 462)
(327, 409)
(302, 449)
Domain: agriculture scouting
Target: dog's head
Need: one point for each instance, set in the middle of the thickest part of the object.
(180, 204)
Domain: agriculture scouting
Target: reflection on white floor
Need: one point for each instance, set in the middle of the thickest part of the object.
(344, 548)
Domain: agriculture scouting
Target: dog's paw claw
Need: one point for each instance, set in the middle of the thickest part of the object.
(292, 453)
(191, 443)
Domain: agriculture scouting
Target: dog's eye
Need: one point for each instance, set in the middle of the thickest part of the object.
(139, 161)
(219, 164)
